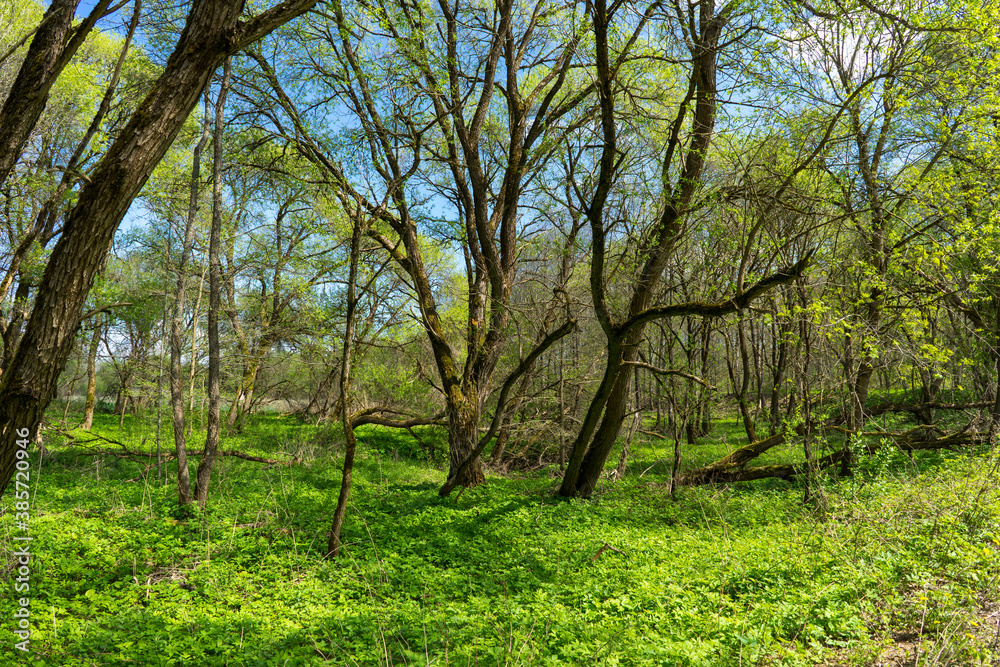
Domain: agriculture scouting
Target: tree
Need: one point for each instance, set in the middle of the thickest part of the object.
(470, 85)
(52, 47)
(686, 164)
(892, 143)
(177, 314)
(213, 31)
(212, 435)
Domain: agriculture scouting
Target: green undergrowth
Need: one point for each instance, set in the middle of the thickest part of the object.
(905, 553)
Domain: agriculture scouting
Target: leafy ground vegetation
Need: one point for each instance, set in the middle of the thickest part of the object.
(897, 565)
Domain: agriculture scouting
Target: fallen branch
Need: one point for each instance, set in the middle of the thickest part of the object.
(883, 408)
(600, 551)
(733, 468)
(133, 455)
(245, 457)
(913, 408)
(922, 437)
(734, 461)
(371, 416)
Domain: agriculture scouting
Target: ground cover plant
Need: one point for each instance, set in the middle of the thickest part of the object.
(899, 562)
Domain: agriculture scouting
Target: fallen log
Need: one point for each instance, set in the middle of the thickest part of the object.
(733, 468)
(734, 461)
(922, 437)
(718, 475)
(917, 408)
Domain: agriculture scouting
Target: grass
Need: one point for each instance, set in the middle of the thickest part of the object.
(901, 560)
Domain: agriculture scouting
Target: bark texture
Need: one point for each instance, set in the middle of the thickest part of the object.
(53, 46)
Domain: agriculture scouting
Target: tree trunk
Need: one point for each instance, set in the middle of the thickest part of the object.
(12, 331)
(88, 407)
(204, 474)
(748, 422)
(244, 395)
(463, 436)
(176, 320)
(591, 420)
(122, 396)
(614, 413)
(194, 342)
(212, 31)
(51, 49)
(783, 332)
(587, 461)
(351, 443)
(636, 423)
(995, 416)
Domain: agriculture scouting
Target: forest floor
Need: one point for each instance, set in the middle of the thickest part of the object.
(897, 565)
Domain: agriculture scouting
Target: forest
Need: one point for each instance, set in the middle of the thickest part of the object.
(450, 332)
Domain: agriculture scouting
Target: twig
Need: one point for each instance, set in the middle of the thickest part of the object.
(602, 550)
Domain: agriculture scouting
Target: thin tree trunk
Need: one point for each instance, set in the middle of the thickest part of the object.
(244, 395)
(995, 420)
(706, 406)
(204, 474)
(176, 320)
(636, 423)
(194, 339)
(159, 370)
(675, 466)
(69, 397)
(562, 407)
(805, 341)
(744, 390)
(334, 544)
(95, 340)
(783, 332)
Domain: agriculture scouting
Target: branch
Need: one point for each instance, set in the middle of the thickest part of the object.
(369, 417)
(738, 302)
(125, 452)
(919, 407)
(103, 309)
(248, 32)
(921, 437)
(671, 371)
